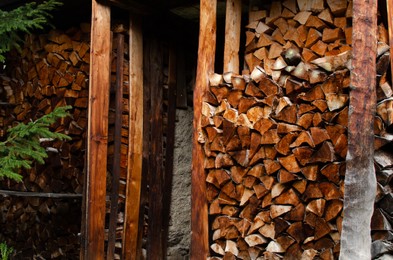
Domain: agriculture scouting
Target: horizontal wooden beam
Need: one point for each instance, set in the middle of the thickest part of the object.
(10, 193)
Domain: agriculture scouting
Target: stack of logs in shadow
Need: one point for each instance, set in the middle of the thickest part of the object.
(275, 138)
(53, 70)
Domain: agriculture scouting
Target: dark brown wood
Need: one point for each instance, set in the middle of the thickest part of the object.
(117, 142)
(132, 228)
(170, 144)
(181, 84)
(156, 178)
(360, 182)
(206, 54)
(97, 139)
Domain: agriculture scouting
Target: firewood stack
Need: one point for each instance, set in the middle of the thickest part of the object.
(52, 70)
(275, 138)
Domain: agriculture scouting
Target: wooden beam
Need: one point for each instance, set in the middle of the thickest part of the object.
(97, 137)
(360, 181)
(135, 141)
(156, 178)
(117, 143)
(170, 144)
(206, 54)
(389, 7)
(232, 35)
(26, 194)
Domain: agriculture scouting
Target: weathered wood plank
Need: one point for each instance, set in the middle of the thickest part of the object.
(135, 141)
(117, 142)
(156, 178)
(26, 194)
(97, 139)
(170, 144)
(181, 86)
(360, 182)
(232, 35)
(389, 7)
(206, 54)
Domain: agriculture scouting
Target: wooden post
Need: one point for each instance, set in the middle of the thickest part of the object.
(360, 181)
(156, 178)
(97, 138)
(232, 35)
(117, 139)
(206, 54)
(389, 7)
(170, 143)
(135, 148)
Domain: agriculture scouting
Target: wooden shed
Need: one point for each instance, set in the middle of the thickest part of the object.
(292, 140)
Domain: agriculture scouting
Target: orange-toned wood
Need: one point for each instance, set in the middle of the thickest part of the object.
(135, 148)
(97, 139)
(389, 8)
(206, 54)
(232, 35)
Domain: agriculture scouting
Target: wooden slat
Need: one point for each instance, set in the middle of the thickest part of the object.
(156, 178)
(117, 143)
(170, 143)
(135, 141)
(97, 139)
(232, 35)
(360, 182)
(181, 85)
(389, 7)
(206, 54)
(26, 194)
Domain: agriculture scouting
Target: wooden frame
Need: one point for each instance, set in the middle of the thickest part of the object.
(206, 53)
(97, 139)
(136, 129)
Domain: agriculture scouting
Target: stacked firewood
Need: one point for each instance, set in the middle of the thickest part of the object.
(51, 71)
(275, 138)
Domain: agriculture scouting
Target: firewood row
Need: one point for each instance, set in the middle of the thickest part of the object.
(51, 70)
(275, 138)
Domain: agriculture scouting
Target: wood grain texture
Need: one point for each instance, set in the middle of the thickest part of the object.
(170, 144)
(360, 182)
(97, 140)
(232, 35)
(389, 7)
(117, 143)
(206, 54)
(135, 149)
(156, 178)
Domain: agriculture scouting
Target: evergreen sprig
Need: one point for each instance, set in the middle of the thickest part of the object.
(23, 145)
(5, 251)
(22, 19)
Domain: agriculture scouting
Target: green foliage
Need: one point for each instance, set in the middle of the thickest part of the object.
(22, 146)
(22, 19)
(5, 251)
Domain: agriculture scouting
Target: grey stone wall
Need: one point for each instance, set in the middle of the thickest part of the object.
(180, 216)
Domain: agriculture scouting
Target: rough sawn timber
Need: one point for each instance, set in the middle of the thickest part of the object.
(360, 181)
(97, 141)
(206, 54)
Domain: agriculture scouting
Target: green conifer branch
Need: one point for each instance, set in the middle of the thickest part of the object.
(22, 19)
(23, 146)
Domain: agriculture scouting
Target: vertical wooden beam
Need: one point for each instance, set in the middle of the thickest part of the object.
(117, 139)
(389, 7)
(206, 54)
(135, 141)
(360, 181)
(97, 137)
(156, 181)
(170, 143)
(233, 19)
